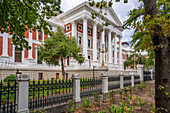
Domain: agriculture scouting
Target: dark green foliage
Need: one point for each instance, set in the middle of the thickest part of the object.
(86, 103)
(112, 96)
(15, 15)
(71, 106)
(97, 98)
(10, 77)
(59, 47)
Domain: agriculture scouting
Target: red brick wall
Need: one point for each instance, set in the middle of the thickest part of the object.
(45, 36)
(10, 47)
(34, 34)
(26, 53)
(33, 50)
(27, 33)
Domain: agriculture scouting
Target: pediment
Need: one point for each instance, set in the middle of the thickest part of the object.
(111, 15)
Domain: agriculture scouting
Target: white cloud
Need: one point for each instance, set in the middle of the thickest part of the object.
(120, 8)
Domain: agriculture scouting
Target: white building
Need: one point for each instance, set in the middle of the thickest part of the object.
(76, 22)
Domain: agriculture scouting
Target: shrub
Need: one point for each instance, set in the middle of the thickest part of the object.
(86, 103)
(71, 106)
(97, 98)
(10, 77)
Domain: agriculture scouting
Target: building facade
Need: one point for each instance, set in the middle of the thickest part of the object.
(76, 22)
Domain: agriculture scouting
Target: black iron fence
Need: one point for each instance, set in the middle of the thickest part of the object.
(7, 97)
(137, 79)
(147, 75)
(114, 82)
(44, 93)
(90, 85)
(127, 80)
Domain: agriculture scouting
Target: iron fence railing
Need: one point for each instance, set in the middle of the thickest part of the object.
(44, 93)
(90, 85)
(7, 97)
(147, 75)
(137, 79)
(113, 82)
(127, 80)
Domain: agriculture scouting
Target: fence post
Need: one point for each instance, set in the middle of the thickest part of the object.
(151, 74)
(22, 93)
(76, 87)
(140, 72)
(104, 77)
(132, 79)
(121, 80)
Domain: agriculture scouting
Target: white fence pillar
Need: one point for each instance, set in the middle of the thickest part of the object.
(76, 87)
(121, 80)
(104, 82)
(140, 72)
(151, 74)
(22, 93)
(132, 79)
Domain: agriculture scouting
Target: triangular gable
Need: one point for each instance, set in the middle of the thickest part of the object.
(111, 15)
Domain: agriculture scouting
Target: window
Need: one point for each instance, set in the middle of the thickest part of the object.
(40, 35)
(67, 27)
(80, 54)
(18, 55)
(89, 32)
(40, 76)
(89, 57)
(80, 28)
(89, 43)
(57, 75)
(79, 40)
(38, 58)
(68, 61)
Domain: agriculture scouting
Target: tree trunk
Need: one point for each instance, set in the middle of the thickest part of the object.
(62, 67)
(162, 62)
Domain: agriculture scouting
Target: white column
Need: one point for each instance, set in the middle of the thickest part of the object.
(120, 50)
(85, 42)
(37, 34)
(115, 49)
(76, 87)
(101, 43)
(30, 44)
(22, 93)
(36, 53)
(132, 79)
(140, 72)
(5, 45)
(13, 53)
(94, 42)
(73, 28)
(43, 35)
(110, 48)
(121, 80)
(104, 82)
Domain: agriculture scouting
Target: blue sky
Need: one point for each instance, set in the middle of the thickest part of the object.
(120, 8)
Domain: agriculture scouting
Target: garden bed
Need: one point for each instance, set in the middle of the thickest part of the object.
(138, 99)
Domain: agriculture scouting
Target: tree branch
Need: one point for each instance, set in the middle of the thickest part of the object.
(139, 14)
(29, 7)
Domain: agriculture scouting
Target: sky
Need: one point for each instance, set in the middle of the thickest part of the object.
(120, 9)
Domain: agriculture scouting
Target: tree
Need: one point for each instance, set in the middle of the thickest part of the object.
(151, 23)
(17, 16)
(59, 47)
